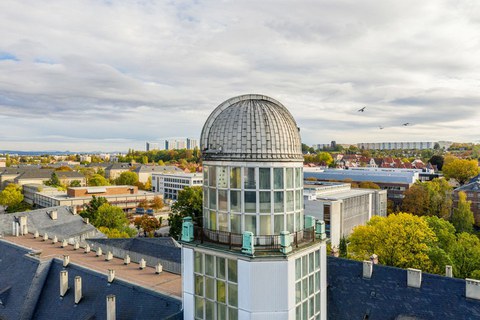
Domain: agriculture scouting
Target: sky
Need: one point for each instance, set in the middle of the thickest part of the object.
(85, 75)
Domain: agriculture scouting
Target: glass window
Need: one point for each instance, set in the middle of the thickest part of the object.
(264, 177)
(209, 310)
(265, 225)
(209, 265)
(235, 204)
(265, 201)
(250, 182)
(222, 200)
(232, 314)
(235, 178)
(205, 197)
(250, 201)
(221, 311)
(223, 221)
(298, 177)
(290, 218)
(299, 198)
(199, 285)
(205, 175)
(251, 223)
(304, 288)
(213, 198)
(304, 266)
(298, 292)
(232, 270)
(210, 288)
(235, 223)
(311, 307)
(212, 224)
(278, 178)
(199, 306)
(317, 259)
(310, 262)
(222, 177)
(310, 285)
(317, 302)
(298, 268)
(290, 204)
(278, 201)
(198, 262)
(232, 294)
(298, 312)
(221, 268)
(221, 291)
(317, 281)
(289, 178)
(212, 176)
(279, 223)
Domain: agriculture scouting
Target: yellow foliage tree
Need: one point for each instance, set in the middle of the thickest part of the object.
(460, 169)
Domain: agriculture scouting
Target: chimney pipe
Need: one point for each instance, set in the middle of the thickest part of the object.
(99, 251)
(45, 237)
(55, 239)
(87, 248)
(158, 268)
(66, 260)
(111, 307)
(126, 260)
(367, 269)
(76, 245)
(142, 264)
(36, 235)
(335, 252)
(63, 282)
(74, 210)
(78, 289)
(64, 243)
(109, 256)
(86, 220)
(448, 271)
(111, 275)
(53, 215)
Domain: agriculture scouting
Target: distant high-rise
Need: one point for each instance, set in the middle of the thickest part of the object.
(172, 144)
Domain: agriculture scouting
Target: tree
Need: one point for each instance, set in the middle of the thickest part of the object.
(148, 184)
(91, 209)
(466, 255)
(188, 204)
(98, 180)
(147, 224)
(143, 204)
(11, 195)
(110, 217)
(416, 200)
(75, 183)
(430, 198)
(343, 248)
(127, 178)
(54, 181)
(462, 217)
(437, 160)
(368, 185)
(114, 233)
(459, 169)
(156, 203)
(324, 158)
(444, 231)
(400, 240)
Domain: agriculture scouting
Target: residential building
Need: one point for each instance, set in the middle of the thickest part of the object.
(255, 257)
(3, 162)
(150, 146)
(192, 143)
(169, 184)
(35, 175)
(422, 145)
(343, 208)
(472, 191)
(114, 170)
(172, 144)
(145, 172)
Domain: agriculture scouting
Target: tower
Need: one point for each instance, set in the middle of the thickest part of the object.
(254, 255)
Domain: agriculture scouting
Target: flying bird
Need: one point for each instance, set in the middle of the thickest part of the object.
(361, 109)
(381, 127)
(406, 124)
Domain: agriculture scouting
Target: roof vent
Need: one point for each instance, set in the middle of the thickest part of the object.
(53, 214)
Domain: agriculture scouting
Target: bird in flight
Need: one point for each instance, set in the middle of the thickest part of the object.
(361, 109)
(406, 124)
(381, 127)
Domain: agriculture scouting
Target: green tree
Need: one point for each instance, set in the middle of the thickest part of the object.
(430, 198)
(343, 248)
(127, 178)
(466, 255)
(11, 195)
(444, 231)
(188, 204)
(462, 217)
(114, 233)
(91, 209)
(147, 224)
(437, 160)
(54, 181)
(111, 217)
(75, 183)
(98, 180)
(459, 169)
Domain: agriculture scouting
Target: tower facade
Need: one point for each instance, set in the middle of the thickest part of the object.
(254, 255)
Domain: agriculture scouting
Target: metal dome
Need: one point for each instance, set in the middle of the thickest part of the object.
(251, 128)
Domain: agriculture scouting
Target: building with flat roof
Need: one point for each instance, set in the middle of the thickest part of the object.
(472, 191)
(145, 172)
(169, 184)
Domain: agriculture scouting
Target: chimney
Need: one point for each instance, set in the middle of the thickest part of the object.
(142, 264)
(99, 251)
(448, 271)
(63, 282)
(53, 214)
(414, 278)
(78, 289)
(472, 289)
(109, 256)
(335, 252)
(126, 260)
(367, 269)
(23, 225)
(64, 243)
(36, 234)
(66, 260)
(87, 248)
(55, 239)
(158, 268)
(45, 237)
(111, 307)
(76, 245)
(111, 275)
(73, 209)
(374, 258)
(86, 220)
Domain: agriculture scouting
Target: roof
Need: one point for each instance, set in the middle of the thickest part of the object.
(474, 186)
(157, 169)
(360, 175)
(251, 128)
(47, 174)
(119, 166)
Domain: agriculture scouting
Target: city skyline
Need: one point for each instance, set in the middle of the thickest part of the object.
(109, 76)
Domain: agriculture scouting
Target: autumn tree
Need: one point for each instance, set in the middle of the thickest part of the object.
(127, 178)
(430, 198)
(114, 233)
(147, 224)
(462, 217)
(11, 195)
(156, 203)
(368, 185)
(188, 204)
(324, 158)
(460, 169)
(143, 204)
(98, 180)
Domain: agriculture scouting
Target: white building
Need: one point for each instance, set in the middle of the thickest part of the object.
(169, 184)
(396, 145)
(256, 256)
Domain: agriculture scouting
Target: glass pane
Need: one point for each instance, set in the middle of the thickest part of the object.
(199, 285)
(235, 178)
(299, 200)
(222, 200)
(209, 310)
(278, 178)
(209, 265)
(298, 292)
(213, 198)
(265, 225)
(264, 177)
(290, 222)
(298, 312)
(235, 223)
(304, 266)
(232, 314)
(304, 288)
(310, 262)
(232, 270)
(278, 201)
(221, 291)
(210, 288)
(221, 268)
(298, 177)
(265, 201)
(198, 262)
(223, 222)
(317, 259)
(250, 182)
(317, 281)
(289, 178)
(232, 295)
(222, 177)
(235, 204)
(205, 175)
(290, 204)
(205, 197)
(212, 176)
(311, 308)
(310, 285)
(298, 268)
(221, 311)
(212, 224)
(317, 302)
(199, 306)
(250, 201)
(279, 224)
(305, 310)
(251, 224)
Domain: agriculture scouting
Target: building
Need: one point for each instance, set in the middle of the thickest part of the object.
(169, 184)
(173, 144)
(114, 170)
(145, 172)
(192, 143)
(29, 191)
(472, 191)
(3, 162)
(150, 146)
(35, 175)
(343, 208)
(255, 257)
(422, 145)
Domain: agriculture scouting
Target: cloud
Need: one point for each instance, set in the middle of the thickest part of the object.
(113, 74)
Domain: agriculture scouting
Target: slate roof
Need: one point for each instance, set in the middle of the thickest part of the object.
(47, 174)
(119, 166)
(473, 185)
(386, 296)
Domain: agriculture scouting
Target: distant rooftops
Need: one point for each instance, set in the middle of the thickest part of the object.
(407, 177)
